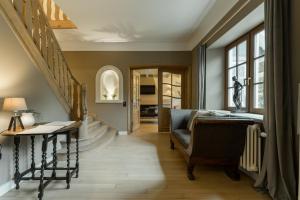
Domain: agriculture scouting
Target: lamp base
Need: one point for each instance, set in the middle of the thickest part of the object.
(13, 122)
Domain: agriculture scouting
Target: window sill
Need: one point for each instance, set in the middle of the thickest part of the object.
(249, 115)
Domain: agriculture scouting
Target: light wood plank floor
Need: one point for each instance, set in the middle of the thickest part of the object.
(141, 167)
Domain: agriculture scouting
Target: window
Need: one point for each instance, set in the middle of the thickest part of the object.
(171, 90)
(237, 66)
(245, 59)
(109, 85)
(258, 70)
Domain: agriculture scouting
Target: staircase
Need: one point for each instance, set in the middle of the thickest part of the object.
(29, 22)
(31, 26)
(99, 135)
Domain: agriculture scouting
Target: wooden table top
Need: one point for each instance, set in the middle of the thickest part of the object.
(19, 130)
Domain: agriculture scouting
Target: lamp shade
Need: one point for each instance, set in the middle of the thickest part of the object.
(14, 104)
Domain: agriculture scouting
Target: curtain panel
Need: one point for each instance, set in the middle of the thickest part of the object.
(278, 174)
(202, 76)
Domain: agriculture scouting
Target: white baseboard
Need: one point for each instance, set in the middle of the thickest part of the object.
(122, 133)
(6, 187)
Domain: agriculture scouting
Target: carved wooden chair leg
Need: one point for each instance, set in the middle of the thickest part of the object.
(232, 171)
(172, 146)
(190, 169)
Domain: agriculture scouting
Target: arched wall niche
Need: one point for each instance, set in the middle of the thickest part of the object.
(109, 85)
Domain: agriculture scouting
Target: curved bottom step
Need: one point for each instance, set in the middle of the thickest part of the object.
(102, 141)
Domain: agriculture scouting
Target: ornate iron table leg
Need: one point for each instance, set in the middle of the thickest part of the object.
(17, 175)
(32, 157)
(44, 165)
(54, 157)
(77, 155)
(68, 175)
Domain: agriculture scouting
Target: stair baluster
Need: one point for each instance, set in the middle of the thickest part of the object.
(31, 13)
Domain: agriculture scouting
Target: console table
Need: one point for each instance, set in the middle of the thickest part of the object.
(69, 131)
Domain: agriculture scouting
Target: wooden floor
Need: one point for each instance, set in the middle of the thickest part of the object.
(141, 166)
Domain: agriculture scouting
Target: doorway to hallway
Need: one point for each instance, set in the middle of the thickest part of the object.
(144, 99)
(154, 91)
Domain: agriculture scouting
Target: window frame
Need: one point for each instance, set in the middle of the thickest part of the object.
(253, 32)
(249, 37)
(227, 48)
(172, 85)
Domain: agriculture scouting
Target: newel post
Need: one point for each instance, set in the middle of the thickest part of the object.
(75, 101)
(83, 131)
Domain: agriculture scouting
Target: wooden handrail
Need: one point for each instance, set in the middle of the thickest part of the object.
(57, 18)
(37, 25)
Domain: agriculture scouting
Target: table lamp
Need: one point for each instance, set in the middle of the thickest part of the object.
(14, 105)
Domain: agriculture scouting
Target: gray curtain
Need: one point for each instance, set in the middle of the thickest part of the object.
(278, 173)
(202, 75)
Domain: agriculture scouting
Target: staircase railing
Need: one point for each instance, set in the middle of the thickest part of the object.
(38, 27)
(56, 17)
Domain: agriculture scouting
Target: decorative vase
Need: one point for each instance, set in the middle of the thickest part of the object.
(27, 119)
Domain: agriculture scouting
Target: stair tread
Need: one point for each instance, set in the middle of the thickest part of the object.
(109, 136)
(93, 134)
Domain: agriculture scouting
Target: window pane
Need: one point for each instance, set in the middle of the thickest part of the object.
(166, 89)
(259, 65)
(232, 57)
(167, 77)
(176, 79)
(166, 102)
(176, 91)
(244, 97)
(242, 73)
(230, 98)
(231, 73)
(259, 96)
(242, 52)
(259, 44)
(176, 103)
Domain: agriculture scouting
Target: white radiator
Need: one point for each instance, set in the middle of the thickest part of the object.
(251, 158)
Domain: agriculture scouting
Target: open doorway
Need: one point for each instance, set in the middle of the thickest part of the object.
(144, 100)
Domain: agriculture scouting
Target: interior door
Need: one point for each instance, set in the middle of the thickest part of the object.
(171, 95)
(135, 100)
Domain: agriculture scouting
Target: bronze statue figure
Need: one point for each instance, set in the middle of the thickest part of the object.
(238, 87)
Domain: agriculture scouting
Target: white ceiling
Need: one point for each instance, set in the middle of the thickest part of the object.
(132, 24)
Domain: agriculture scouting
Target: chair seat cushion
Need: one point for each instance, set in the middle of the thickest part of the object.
(183, 136)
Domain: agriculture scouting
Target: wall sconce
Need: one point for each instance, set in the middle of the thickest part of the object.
(14, 105)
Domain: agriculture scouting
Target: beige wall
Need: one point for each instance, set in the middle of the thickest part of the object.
(86, 64)
(215, 62)
(19, 77)
(295, 38)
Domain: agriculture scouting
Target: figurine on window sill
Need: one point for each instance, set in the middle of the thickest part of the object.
(237, 94)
